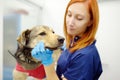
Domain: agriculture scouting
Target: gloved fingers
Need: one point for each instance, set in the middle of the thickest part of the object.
(48, 51)
(42, 54)
(40, 46)
(34, 52)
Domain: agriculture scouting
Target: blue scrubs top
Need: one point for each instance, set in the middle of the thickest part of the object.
(83, 64)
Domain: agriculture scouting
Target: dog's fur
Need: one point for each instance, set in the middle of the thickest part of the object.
(27, 40)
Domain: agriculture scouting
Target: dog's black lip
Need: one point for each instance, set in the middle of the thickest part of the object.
(51, 48)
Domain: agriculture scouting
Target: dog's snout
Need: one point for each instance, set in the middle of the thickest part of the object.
(61, 39)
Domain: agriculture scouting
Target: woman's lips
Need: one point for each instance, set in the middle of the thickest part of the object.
(71, 29)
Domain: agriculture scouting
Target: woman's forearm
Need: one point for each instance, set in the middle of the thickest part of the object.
(50, 72)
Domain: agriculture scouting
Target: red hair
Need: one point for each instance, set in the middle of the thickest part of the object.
(89, 36)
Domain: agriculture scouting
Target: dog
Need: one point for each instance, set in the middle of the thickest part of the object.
(27, 40)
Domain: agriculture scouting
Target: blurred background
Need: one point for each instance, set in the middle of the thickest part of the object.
(22, 14)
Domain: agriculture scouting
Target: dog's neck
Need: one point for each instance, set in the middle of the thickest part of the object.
(24, 58)
(25, 50)
(25, 53)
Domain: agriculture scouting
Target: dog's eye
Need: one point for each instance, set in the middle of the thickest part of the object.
(42, 33)
(53, 32)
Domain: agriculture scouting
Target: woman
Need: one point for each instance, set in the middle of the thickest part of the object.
(80, 60)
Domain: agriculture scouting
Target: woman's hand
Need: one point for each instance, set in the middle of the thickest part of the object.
(42, 54)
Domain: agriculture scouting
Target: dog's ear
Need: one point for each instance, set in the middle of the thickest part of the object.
(23, 38)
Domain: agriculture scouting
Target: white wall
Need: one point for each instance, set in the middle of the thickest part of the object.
(108, 39)
(1, 40)
(53, 14)
(30, 13)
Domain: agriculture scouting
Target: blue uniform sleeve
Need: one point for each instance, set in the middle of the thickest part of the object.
(83, 67)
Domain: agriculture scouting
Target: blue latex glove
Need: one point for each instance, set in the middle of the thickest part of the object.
(42, 54)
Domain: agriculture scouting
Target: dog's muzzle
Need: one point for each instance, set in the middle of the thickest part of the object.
(61, 40)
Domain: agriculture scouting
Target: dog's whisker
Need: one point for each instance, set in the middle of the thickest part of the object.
(11, 54)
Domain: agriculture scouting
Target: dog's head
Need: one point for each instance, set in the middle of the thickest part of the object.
(31, 37)
(28, 39)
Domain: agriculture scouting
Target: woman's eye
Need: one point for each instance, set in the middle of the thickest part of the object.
(68, 14)
(79, 19)
(42, 33)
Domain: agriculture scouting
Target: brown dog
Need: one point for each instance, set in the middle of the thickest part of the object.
(27, 41)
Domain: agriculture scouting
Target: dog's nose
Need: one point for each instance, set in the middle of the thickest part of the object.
(61, 39)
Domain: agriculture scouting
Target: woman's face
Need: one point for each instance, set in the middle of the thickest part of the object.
(77, 19)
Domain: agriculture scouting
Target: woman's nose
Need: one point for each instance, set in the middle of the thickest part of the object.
(71, 21)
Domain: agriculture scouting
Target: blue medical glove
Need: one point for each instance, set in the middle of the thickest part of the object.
(42, 54)
(63, 47)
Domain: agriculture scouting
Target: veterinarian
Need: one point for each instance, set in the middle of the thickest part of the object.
(80, 60)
